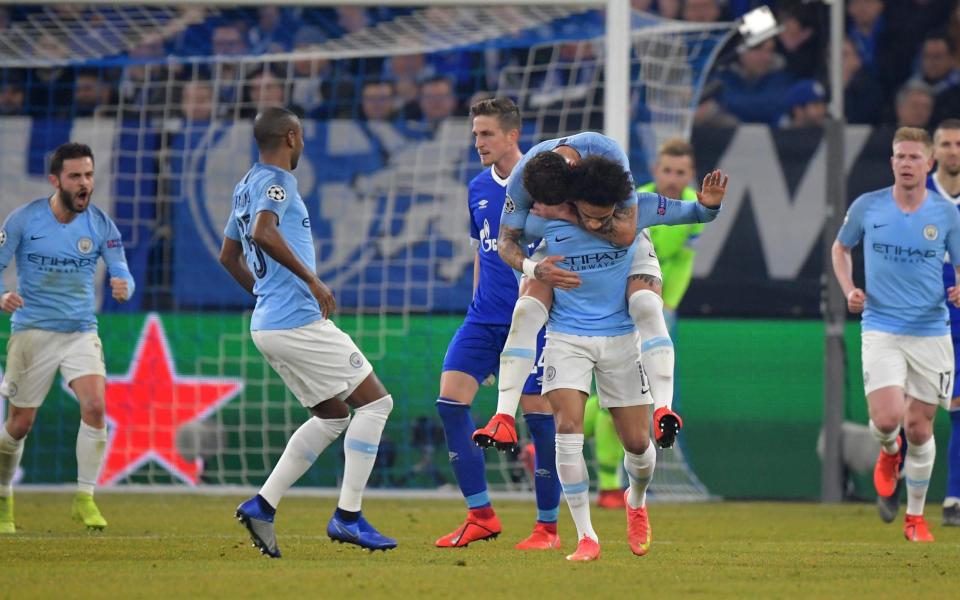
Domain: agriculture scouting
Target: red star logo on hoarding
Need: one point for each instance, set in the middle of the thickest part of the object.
(147, 406)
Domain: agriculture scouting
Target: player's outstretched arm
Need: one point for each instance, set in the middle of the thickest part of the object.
(843, 270)
(231, 257)
(266, 235)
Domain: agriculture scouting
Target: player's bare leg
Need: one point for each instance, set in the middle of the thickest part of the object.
(91, 448)
(457, 392)
(516, 361)
(640, 459)
(656, 353)
(540, 422)
(12, 434)
(918, 466)
(568, 408)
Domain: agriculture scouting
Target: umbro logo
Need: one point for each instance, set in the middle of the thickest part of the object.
(542, 473)
(482, 204)
(880, 225)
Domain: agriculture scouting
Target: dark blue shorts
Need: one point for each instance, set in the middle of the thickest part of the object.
(475, 350)
(956, 364)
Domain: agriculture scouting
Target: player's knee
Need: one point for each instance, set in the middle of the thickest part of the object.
(918, 431)
(530, 310)
(637, 443)
(20, 423)
(886, 423)
(380, 408)
(645, 304)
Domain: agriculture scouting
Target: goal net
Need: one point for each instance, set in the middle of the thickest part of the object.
(165, 95)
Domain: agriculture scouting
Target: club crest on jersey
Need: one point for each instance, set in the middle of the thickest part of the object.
(508, 205)
(356, 360)
(84, 245)
(550, 373)
(930, 232)
(3, 237)
(276, 193)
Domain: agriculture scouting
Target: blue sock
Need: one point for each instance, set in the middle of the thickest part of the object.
(466, 458)
(545, 479)
(953, 456)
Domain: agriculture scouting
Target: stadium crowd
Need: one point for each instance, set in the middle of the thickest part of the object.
(912, 67)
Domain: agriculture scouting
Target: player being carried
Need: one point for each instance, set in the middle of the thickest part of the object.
(474, 351)
(590, 333)
(907, 356)
(57, 242)
(268, 249)
(544, 176)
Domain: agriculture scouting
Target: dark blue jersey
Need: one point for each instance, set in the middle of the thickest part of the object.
(949, 273)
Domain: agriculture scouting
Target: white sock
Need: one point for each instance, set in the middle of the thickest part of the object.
(10, 452)
(360, 447)
(91, 446)
(656, 347)
(889, 441)
(573, 476)
(519, 352)
(303, 448)
(917, 469)
(639, 468)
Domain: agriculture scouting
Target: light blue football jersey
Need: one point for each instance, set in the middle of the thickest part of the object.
(903, 260)
(518, 202)
(56, 263)
(283, 300)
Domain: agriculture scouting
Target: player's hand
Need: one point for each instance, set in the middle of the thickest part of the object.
(10, 302)
(953, 295)
(119, 289)
(713, 189)
(549, 273)
(855, 300)
(324, 297)
(557, 212)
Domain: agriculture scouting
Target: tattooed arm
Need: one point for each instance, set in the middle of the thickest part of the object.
(621, 228)
(509, 247)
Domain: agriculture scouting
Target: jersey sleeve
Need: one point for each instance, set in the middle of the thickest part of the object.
(272, 195)
(10, 235)
(111, 248)
(535, 227)
(474, 230)
(953, 236)
(851, 232)
(655, 209)
(231, 229)
(517, 204)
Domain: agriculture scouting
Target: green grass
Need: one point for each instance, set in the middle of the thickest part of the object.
(190, 546)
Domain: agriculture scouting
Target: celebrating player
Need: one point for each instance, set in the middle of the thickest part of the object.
(543, 175)
(474, 351)
(946, 182)
(57, 242)
(268, 249)
(907, 358)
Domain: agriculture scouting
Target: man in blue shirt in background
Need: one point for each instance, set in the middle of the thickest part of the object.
(57, 242)
(907, 353)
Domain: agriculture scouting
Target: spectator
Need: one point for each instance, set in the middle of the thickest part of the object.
(754, 86)
(266, 88)
(227, 40)
(90, 93)
(669, 9)
(862, 94)
(866, 28)
(378, 101)
(800, 44)
(407, 71)
(914, 105)
(351, 19)
(910, 22)
(702, 11)
(11, 95)
(196, 101)
(938, 68)
(273, 31)
(806, 105)
(50, 89)
(436, 103)
(144, 84)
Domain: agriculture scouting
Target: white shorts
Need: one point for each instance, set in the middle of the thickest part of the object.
(570, 361)
(34, 355)
(921, 365)
(317, 361)
(645, 261)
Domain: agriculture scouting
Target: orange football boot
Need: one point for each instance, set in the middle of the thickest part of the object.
(612, 499)
(639, 534)
(666, 426)
(500, 432)
(480, 524)
(886, 472)
(915, 529)
(587, 549)
(544, 537)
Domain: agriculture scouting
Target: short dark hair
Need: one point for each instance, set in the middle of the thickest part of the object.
(68, 151)
(272, 125)
(547, 178)
(503, 109)
(600, 181)
(947, 124)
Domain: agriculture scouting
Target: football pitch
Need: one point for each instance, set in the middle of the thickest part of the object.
(187, 546)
